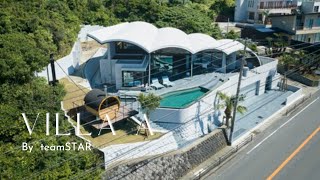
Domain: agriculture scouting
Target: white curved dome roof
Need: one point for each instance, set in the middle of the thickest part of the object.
(150, 38)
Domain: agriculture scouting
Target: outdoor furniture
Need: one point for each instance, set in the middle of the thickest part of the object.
(166, 82)
(155, 84)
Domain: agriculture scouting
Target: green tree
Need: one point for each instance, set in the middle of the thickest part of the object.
(188, 20)
(232, 35)
(149, 102)
(227, 103)
(288, 61)
(265, 17)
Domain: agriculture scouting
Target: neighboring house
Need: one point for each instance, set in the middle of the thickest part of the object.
(303, 25)
(300, 19)
(255, 11)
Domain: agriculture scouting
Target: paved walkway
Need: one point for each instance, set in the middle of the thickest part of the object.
(259, 108)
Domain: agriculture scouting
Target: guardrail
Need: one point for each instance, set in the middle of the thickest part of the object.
(224, 157)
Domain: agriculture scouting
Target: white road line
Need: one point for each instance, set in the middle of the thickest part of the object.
(281, 126)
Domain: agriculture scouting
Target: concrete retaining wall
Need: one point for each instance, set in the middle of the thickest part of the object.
(172, 165)
(293, 97)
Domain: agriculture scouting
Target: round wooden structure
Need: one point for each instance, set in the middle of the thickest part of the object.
(97, 103)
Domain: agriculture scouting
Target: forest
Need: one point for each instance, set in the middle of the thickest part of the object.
(29, 32)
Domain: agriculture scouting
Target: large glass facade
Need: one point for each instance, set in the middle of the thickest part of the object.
(207, 61)
(133, 78)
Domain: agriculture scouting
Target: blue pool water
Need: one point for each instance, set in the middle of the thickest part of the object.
(180, 99)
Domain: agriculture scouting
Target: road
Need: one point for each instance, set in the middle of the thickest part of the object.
(289, 149)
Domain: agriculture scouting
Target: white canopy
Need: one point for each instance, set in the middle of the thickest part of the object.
(151, 38)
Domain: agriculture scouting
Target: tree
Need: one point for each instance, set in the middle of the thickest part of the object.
(149, 102)
(228, 104)
(288, 60)
(232, 35)
(265, 18)
(277, 44)
(188, 20)
(29, 32)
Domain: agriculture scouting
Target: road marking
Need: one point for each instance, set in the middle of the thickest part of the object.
(281, 126)
(295, 152)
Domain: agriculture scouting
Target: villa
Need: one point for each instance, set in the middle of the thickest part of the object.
(139, 52)
(139, 55)
(187, 71)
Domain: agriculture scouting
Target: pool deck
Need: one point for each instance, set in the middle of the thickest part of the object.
(212, 79)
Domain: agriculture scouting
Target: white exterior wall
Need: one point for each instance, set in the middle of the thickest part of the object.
(293, 97)
(103, 71)
(118, 75)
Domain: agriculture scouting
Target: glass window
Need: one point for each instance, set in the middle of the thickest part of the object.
(251, 15)
(162, 65)
(123, 47)
(310, 23)
(251, 3)
(260, 17)
(316, 9)
(132, 78)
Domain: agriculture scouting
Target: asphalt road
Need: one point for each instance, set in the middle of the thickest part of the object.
(286, 147)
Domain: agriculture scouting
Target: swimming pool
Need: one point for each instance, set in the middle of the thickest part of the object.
(180, 99)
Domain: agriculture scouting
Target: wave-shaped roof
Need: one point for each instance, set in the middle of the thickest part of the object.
(150, 38)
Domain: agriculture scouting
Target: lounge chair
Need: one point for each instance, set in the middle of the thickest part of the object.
(155, 84)
(166, 82)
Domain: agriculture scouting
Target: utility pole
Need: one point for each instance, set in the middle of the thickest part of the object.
(238, 92)
(228, 26)
(53, 71)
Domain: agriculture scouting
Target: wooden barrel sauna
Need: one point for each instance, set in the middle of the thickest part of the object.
(97, 103)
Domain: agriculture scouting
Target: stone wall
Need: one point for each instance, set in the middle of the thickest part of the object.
(171, 165)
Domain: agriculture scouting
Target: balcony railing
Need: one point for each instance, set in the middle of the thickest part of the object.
(276, 5)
